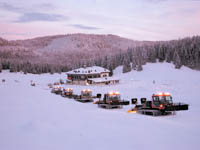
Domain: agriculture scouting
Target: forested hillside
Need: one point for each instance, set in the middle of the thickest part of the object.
(184, 52)
(65, 52)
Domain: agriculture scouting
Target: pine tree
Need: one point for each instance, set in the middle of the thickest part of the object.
(1, 67)
(177, 60)
(105, 62)
(134, 63)
(151, 54)
(13, 68)
(139, 65)
(126, 66)
(139, 68)
(111, 72)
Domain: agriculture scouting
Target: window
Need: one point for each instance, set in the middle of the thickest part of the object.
(169, 99)
(86, 93)
(155, 98)
(114, 97)
(82, 77)
(162, 99)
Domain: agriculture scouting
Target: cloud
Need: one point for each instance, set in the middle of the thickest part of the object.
(46, 6)
(80, 26)
(17, 9)
(35, 16)
(13, 33)
(9, 7)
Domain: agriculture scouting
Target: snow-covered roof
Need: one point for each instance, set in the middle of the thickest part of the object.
(89, 70)
(96, 80)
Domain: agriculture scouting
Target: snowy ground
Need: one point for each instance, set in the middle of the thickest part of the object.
(34, 119)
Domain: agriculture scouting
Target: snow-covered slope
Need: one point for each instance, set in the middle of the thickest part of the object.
(72, 42)
(32, 118)
(62, 50)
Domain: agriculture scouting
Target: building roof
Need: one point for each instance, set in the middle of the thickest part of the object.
(89, 70)
(99, 80)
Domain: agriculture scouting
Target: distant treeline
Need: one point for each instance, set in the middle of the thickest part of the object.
(183, 52)
(28, 67)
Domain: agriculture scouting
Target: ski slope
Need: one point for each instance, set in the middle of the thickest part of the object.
(32, 118)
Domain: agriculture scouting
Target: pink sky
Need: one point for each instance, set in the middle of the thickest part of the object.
(135, 19)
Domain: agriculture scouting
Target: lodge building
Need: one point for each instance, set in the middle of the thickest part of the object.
(90, 75)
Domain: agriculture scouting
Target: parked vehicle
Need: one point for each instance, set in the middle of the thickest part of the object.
(57, 90)
(161, 104)
(68, 92)
(86, 96)
(111, 100)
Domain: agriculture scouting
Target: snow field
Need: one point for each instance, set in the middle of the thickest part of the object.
(35, 119)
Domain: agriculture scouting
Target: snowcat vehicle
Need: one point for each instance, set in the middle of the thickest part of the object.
(50, 85)
(32, 83)
(86, 96)
(67, 93)
(111, 100)
(161, 104)
(57, 90)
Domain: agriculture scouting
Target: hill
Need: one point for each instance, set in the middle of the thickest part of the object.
(61, 50)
